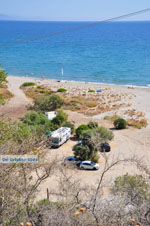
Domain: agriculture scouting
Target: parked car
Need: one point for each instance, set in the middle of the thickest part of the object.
(105, 147)
(71, 160)
(89, 165)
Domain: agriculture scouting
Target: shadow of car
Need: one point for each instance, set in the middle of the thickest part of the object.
(70, 160)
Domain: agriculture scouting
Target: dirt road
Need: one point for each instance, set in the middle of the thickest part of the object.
(16, 106)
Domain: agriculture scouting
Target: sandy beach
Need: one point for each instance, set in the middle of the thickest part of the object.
(126, 143)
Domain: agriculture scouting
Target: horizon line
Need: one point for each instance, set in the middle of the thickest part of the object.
(72, 21)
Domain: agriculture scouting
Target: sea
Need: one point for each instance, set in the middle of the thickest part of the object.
(110, 52)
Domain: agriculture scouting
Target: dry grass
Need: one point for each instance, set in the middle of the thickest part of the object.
(133, 112)
(35, 92)
(137, 123)
(5, 95)
(111, 118)
(82, 101)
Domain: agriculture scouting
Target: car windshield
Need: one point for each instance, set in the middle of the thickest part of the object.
(55, 140)
(93, 163)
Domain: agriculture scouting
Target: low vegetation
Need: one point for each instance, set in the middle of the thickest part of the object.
(36, 92)
(91, 90)
(120, 123)
(3, 77)
(111, 118)
(27, 84)
(88, 103)
(5, 94)
(61, 90)
(47, 103)
(136, 123)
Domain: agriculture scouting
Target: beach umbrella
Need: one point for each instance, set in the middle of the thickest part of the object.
(43, 77)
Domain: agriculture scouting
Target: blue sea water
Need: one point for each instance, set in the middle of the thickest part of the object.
(114, 52)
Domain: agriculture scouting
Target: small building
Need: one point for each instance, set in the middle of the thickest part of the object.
(50, 115)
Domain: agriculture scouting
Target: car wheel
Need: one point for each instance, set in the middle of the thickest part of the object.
(94, 168)
(81, 167)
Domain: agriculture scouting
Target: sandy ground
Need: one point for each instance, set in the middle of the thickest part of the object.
(16, 106)
(126, 143)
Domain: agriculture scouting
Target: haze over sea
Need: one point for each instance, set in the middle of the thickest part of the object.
(114, 52)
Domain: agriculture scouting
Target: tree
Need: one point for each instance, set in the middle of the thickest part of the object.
(33, 118)
(3, 76)
(94, 137)
(82, 152)
(131, 185)
(92, 124)
(91, 140)
(48, 103)
(61, 117)
(120, 123)
(80, 130)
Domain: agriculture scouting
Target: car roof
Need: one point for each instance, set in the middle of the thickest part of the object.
(71, 157)
(86, 161)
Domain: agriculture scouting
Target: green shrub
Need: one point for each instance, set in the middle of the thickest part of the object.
(61, 90)
(134, 186)
(92, 125)
(80, 130)
(28, 84)
(3, 76)
(82, 152)
(48, 103)
(70, 125)
(60, 119)
(2, 100)
(120, 123)
(91, 91)
(104, 134)
(33, 118)
(94, 157)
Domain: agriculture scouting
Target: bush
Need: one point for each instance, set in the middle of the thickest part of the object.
(80, 130)
(3, 76)
(91, 91)
(92, 125)
(120, 123)
(33, 118)
(132, 185)
(70, 125)
(48, 103)
(104, 134)
(60, 119)
(28, 84)
(2, 100)
(94, 157)
(61, 90)
(82, 152)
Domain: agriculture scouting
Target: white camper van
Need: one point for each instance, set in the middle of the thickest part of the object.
(60, 136)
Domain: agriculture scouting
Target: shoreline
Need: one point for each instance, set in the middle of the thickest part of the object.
(81, 82)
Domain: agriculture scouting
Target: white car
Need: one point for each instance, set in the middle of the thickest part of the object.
(89, 165)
